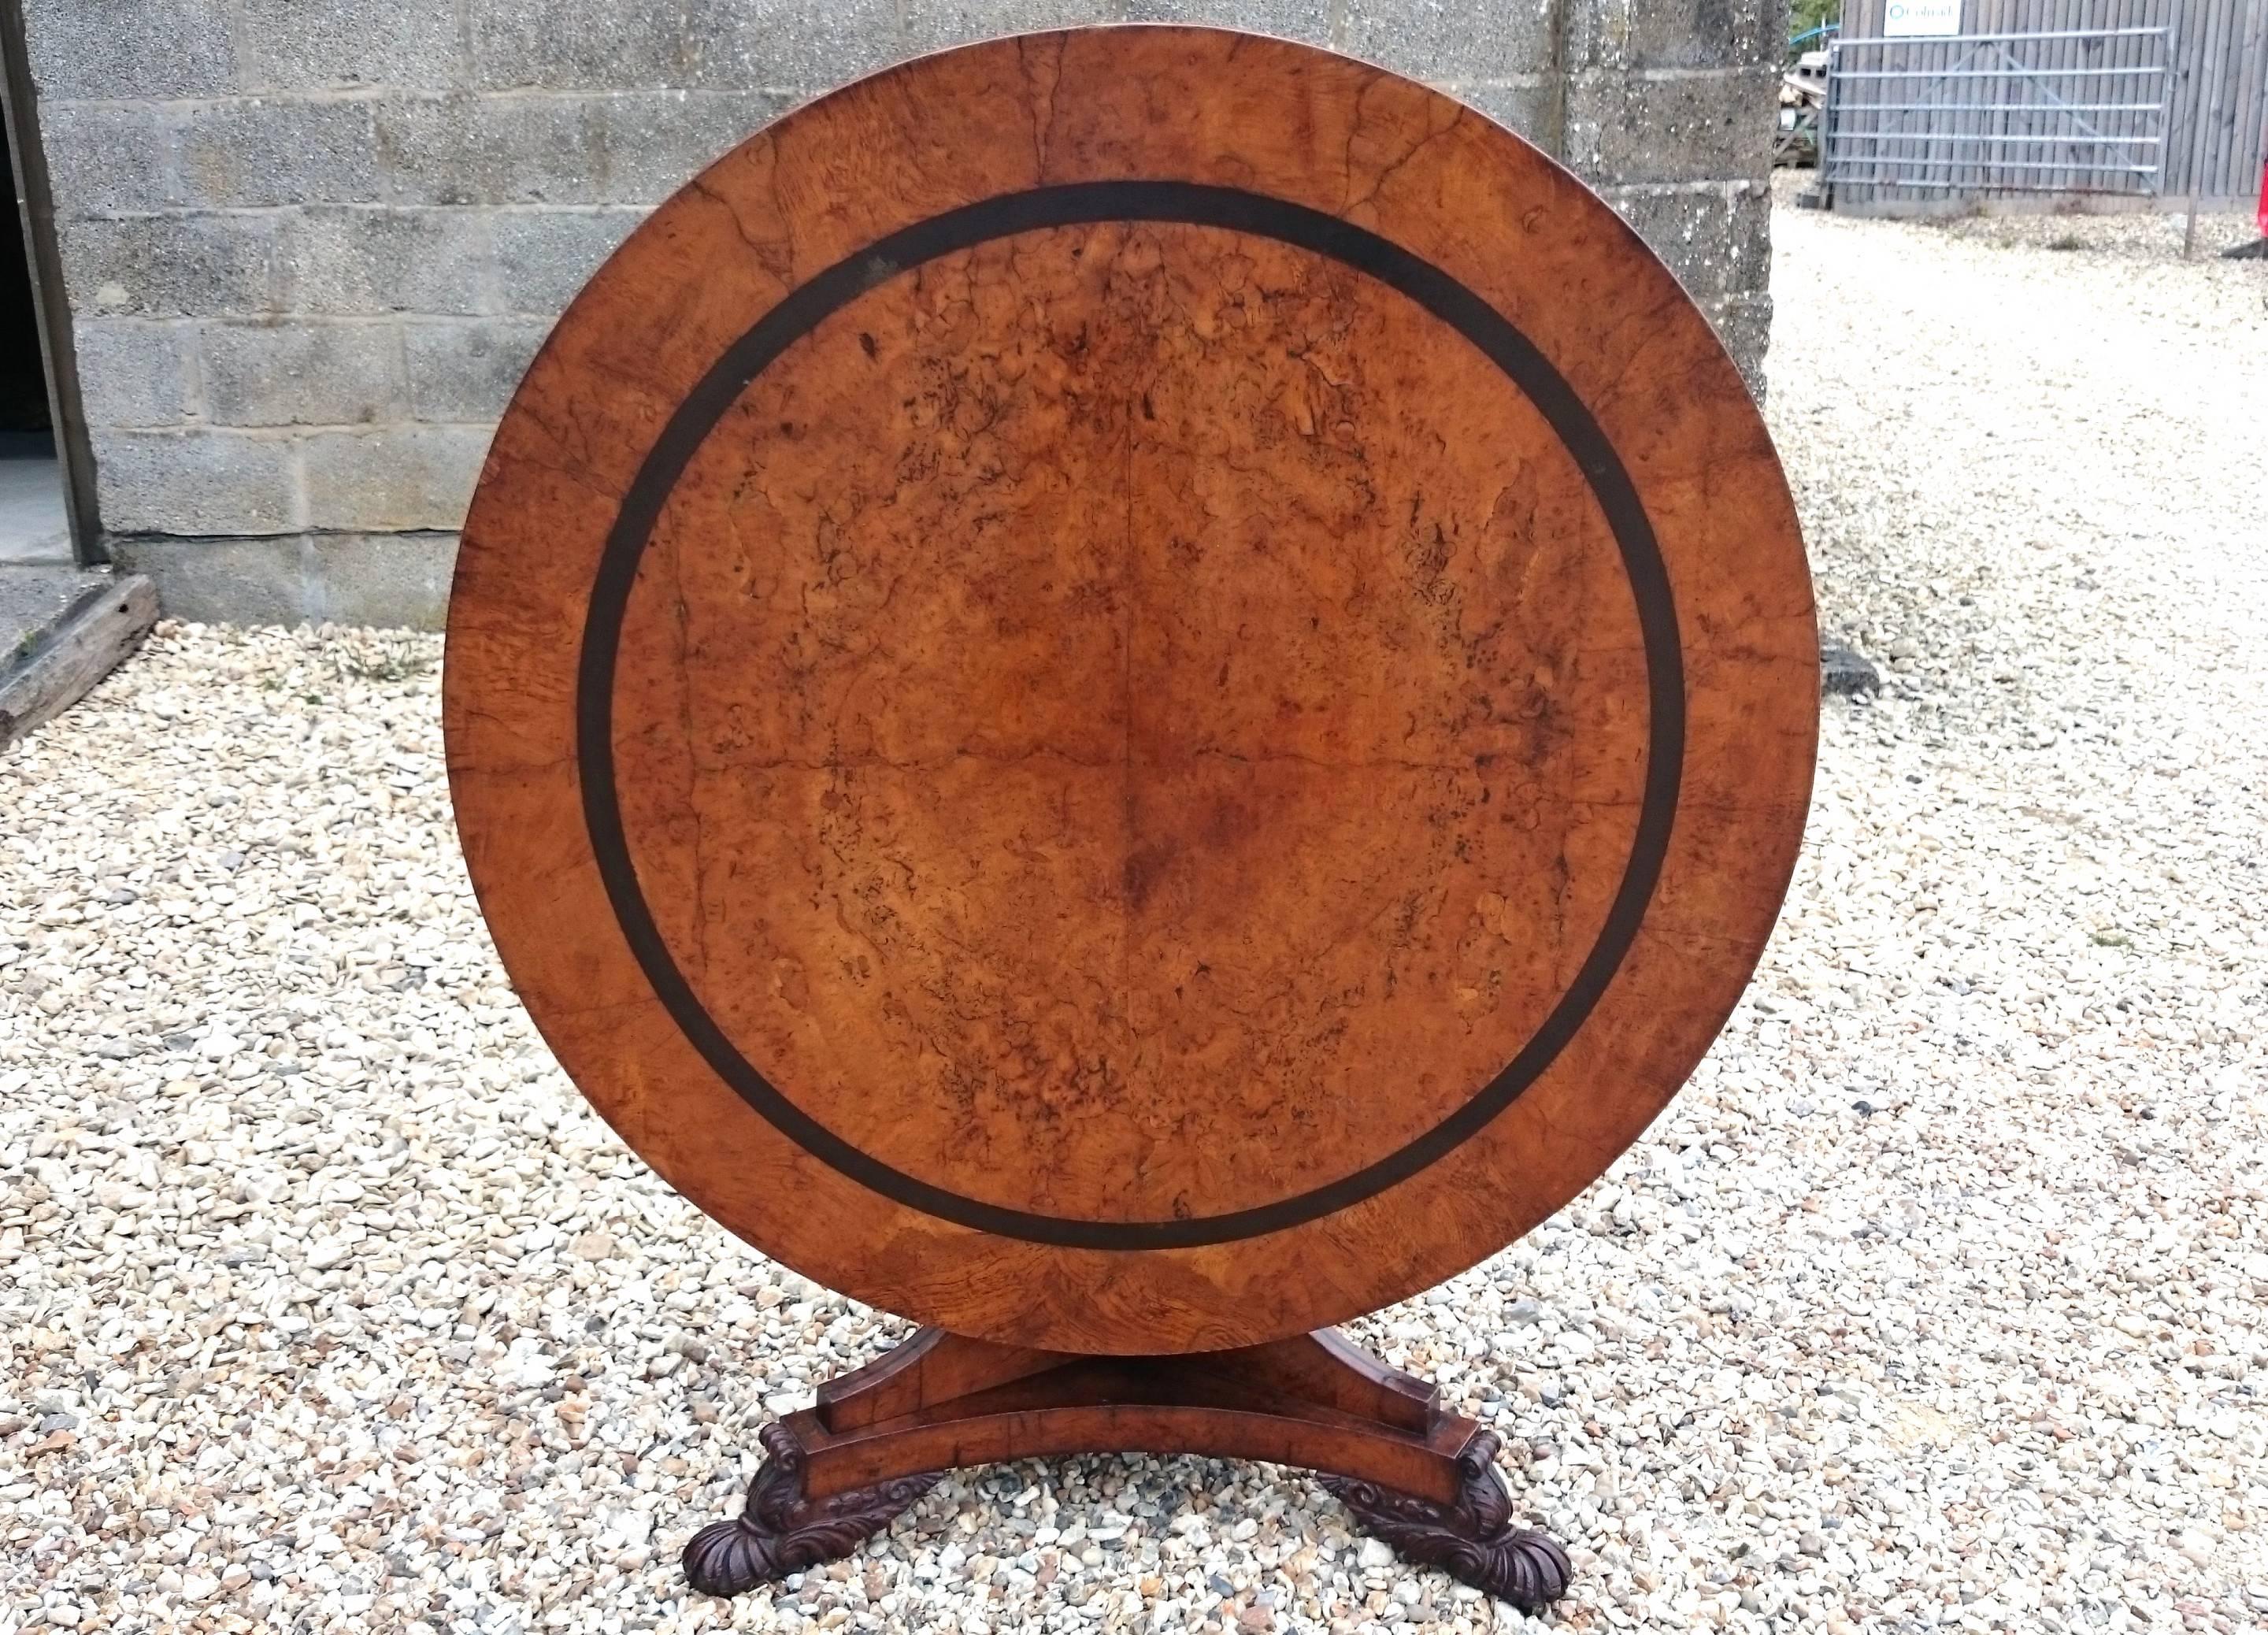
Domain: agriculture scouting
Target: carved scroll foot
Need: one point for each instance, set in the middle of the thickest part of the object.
(1472, 1540)
(783, 1532)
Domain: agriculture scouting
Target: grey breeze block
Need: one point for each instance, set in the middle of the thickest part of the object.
(309, 249)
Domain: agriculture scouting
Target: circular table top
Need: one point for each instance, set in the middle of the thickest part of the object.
(1132, 689)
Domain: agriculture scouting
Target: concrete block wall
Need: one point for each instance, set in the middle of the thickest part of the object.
(309, 245)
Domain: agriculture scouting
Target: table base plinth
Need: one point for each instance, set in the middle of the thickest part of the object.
(1419, 1478)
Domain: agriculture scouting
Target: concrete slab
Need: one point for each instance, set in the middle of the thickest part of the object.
(33, 527)
(346, 578)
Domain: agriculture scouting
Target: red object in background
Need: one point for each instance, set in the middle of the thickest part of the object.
(2262, 217)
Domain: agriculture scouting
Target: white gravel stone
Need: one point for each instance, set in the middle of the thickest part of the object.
(1935, 1302)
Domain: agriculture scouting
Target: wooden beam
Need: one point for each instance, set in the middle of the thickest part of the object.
(82, 647)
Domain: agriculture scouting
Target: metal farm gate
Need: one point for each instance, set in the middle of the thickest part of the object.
(1974, 115)
(2078, 98)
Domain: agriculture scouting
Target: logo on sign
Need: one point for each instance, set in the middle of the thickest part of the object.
(1908, 18)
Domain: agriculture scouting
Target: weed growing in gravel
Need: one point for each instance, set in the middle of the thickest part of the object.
(377, 658)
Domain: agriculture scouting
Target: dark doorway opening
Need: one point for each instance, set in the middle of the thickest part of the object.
(34, 522)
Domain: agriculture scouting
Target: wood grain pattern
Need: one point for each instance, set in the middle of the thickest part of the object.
(1131, 691)
(1318, 1401)
(83, 644)
(1412, 1473)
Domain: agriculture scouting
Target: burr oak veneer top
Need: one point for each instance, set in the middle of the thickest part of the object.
(1132, 689)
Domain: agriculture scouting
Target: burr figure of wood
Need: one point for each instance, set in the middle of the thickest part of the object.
(1132, 691)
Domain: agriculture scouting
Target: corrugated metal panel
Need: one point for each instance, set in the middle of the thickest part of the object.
(2197, 53)
(2251, 149)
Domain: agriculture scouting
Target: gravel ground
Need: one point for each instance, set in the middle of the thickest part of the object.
(1937, 1300)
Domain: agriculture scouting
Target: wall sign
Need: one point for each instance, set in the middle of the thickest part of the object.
(1909, 18)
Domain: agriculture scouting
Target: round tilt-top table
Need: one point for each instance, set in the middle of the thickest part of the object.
(1132, 691)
